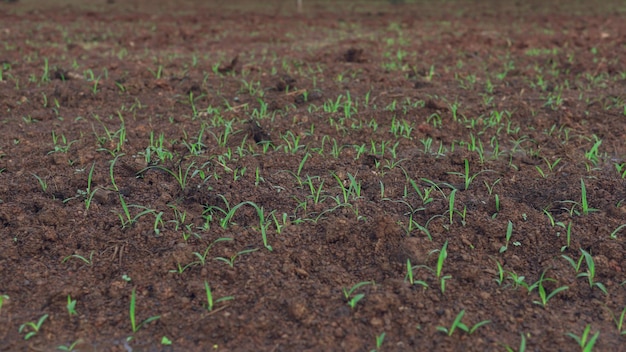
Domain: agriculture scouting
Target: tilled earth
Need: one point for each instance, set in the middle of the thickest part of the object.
(242, 95)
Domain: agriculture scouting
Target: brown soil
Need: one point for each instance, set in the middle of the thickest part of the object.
(535, 83)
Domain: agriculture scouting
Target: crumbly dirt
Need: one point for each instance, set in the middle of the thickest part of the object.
(106, 75)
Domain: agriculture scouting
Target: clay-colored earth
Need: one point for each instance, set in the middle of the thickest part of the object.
(295, 163)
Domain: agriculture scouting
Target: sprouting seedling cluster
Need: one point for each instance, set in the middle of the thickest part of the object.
(336, 149)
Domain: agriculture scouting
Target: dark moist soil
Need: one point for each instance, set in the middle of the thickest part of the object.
(292, 298)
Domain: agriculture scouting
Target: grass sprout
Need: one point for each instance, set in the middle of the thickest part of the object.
(509, 232)
(379, 342)
(618, 229)
(618, 320)
(32, 328)
(349, 295)
(438, 270)
(409, 275)
(71, 306)
(522, 345)
(3, 298)
(457, 324)
(499, 274)
(80, 257)
(42, 183)
(544, 297)
(585, 342)
(202, 257)
(263, 223)
(181, 175)
(583, 205)
(590, 274)
(210, 302)
(133, 320)
(231, 260)
(467, 177)
(71, 347)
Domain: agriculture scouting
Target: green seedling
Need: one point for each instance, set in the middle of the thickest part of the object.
(518, 280)
(223, 137)
(438, 270)
(94, 87)
(209, 297)
(3, 298)
(618, 229)
(583, 201)
(78, 256)
(133, 322)
(158, 73)
(158, 221)
(126, 218)
(500, 274)
(117, 138)
(491, 186)
(71, 306)
(509, 232)
(302, 162)
(591, 272)
(543, 295)
(257, 177)
(423, 195)
(33, 327)
(457, 324)
(210, 211)
(202, 257)
(89, 192)
(379, 342)
(413, 224)
(181, 269)
(195, 148)
(293, 144)
(621, 168)
(351, 192)
(45, 76)
(551, 166)
(316, 192)
(550, 217)
(165, 341)
(409, 275)
(157, 148)
(583, 204)
(584, 341)
(179, 217)
(120, 86)
(522, 345)
(354, 299)
(593, 153)
(277, 223)
(436, 187)
(451, 204)
(575, 264)
(619, 321)
(231, 261)
(42, 183)
(112, 174)
(443, 254)
(568, 236)
(263, 223)
(71, 347)
(181, 176)
(496, 200)
(467, 178)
